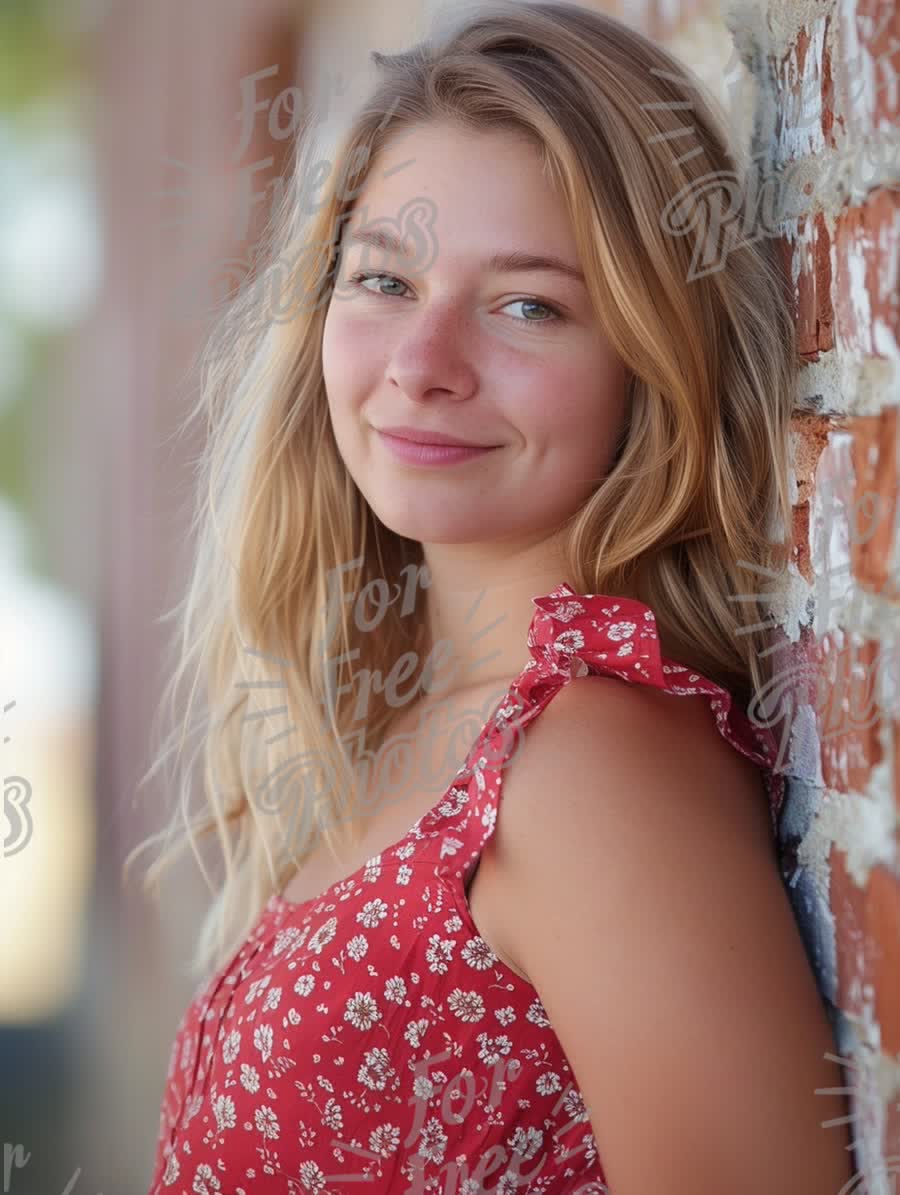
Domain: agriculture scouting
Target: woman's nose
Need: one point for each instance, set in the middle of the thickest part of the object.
(433, 353)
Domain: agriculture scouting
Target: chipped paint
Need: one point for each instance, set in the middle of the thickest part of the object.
(862, 825)
(801, 132)
(805, 748)
(789, 603)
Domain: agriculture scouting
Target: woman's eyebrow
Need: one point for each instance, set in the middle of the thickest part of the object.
(499, 263)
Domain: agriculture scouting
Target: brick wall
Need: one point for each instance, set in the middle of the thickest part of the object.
(817, 86)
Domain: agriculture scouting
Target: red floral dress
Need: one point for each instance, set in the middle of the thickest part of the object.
(370, 1034)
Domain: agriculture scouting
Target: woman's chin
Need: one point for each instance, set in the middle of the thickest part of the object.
(440, 526)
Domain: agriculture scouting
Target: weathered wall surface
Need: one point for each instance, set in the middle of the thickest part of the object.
(812, 89)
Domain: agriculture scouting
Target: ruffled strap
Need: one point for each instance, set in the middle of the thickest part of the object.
(580, 634)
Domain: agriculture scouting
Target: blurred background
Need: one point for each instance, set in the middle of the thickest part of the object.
(141, 146)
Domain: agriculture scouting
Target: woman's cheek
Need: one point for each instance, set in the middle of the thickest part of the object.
(344, 359)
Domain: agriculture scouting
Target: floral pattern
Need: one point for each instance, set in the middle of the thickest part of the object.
(370, 1033)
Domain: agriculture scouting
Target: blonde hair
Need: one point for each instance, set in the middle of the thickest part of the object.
(695, 508)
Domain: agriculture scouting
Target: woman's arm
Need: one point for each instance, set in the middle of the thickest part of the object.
(645, 904)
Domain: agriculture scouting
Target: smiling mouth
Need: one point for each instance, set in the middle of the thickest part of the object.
(419, 453)
(434, 438)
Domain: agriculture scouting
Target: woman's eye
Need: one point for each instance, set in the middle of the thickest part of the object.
(536, 303)
(359, 279)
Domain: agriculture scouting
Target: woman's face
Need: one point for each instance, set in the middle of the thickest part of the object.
(503, 355)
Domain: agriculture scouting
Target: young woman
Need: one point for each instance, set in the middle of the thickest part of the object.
(499, 905)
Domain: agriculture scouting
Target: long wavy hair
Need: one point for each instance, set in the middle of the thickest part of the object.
(694, 510)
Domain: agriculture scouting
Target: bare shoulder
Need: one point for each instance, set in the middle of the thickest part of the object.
(622, 754)
(651, 918)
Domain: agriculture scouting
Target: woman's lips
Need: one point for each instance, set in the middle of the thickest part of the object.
(412, 452)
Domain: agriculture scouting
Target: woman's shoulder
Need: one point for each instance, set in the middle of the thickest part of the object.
(645, 904)
(608, 756)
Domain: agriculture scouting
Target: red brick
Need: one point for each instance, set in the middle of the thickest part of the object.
(867, 106)
(891, 1148)
(853, 947)
(867, 235)
(867, 928)
(849, 737)
(812, 433)
(827, 86)
(874, 518)
(800, 549)
(883, 926)
(814, 313)
(811, 441)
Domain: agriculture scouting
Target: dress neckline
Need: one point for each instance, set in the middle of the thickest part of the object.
(277, 903)
(559, 646)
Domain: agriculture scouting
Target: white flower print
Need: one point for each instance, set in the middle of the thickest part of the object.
(186, 1046)
(373, 913)
(424, 1086)
(456, 798)
(525, 1142)
(434, 1141)
(569, 641)
(305, 985)
(548, 1083)
(272, 1000)
(205, 1182)
(323, 935)
(223, 1109)
(286, 938)
(450, 846)
(439, 953)
(249, 1077)
(267, 1122)
(566, 611)
(384, 1140)
(357, 947)
(493, 1048)
(621, 630)
(478, 954)
(395, 990)
(376, 1070)
(575, 1108)
(332, 1116)
(508, 1183)
(256, 987)
(262, 1039)
(468, 1006)
(537, 1015)
(312, 1177)
(302, 1056)
(231, 1046)
(172, 1170)
(414, 1033)
(362, 1011)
